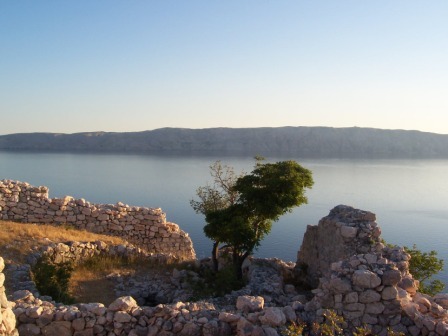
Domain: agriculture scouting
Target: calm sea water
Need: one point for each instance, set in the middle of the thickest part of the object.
(410, 197)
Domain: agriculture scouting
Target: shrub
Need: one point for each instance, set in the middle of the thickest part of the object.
(423, 265)
(215, 284)
(53, 279)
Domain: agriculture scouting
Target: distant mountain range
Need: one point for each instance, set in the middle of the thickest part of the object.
(313, 142)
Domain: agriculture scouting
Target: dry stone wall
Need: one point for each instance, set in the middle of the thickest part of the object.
(368, 284)
(145, 227)
(74, 253)
(7, 317)
(365, 281)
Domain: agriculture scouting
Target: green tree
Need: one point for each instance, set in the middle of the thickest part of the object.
(423, 265)
(216, 196)
(269, 191)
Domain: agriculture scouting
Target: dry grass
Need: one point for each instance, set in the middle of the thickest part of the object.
(18, 239)
(91, 286)
(88, 282)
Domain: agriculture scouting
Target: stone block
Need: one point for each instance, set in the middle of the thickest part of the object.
(250, 303)
(365, 279)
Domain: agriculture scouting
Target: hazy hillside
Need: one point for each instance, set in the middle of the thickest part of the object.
(298, 141)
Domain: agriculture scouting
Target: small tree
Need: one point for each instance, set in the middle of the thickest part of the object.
(261, 197)
(219, 195)
(423, 266)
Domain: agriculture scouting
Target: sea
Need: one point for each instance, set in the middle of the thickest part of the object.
(409, 197)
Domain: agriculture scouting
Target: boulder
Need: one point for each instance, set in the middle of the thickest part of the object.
(366, 279)
(250, 304)
(125, 303)
(273, 317)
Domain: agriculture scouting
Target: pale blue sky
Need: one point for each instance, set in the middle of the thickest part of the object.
(74, 66)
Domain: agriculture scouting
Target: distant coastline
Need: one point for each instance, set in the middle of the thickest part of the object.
(305, 142)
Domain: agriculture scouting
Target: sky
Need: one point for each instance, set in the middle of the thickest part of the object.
(134, 65)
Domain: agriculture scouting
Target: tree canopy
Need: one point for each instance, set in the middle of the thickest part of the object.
(239, 211)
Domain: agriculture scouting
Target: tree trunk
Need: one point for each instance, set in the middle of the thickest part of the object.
(215, 256)
(238, 261)
(237, 264)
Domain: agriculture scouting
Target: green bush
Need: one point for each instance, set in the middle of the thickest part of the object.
(423, 265)
(53, 279)
(215, 284)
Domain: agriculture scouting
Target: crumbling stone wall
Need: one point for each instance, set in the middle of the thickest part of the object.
(7, 317)
(371, 285)
(365, 281)
(146, 227)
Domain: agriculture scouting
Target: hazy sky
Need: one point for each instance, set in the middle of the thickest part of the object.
(73, 66)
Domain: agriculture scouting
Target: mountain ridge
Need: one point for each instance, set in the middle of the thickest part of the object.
(302, 141)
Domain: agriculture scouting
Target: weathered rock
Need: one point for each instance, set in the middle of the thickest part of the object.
(244, 327)
(389, 293)
(366, 279)
(125, 303)
(228, 317)
(29, 330)
(369, 296)
(190, 329)
(374, 308)
(58, 328)
(250, 304)
(340, 286)
(122, 317)
(348, 232)
(273, 317)
(391, 277)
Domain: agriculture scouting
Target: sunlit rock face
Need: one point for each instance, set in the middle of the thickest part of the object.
(7, 317)
(344, 232)
(145, 227)
(363, 280)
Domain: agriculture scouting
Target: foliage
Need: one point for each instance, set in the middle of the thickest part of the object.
(362, 331)
(220, 195)
(423, 265)
(53, 279)
(332, 324)
(240, 213)
(215, 284)
(391, 332)
(294, 329)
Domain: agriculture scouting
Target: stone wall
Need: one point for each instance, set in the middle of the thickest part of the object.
(365, 281)
(75, 253)
(370, 285)
(7, 317)
(263, 307)
(146, 227)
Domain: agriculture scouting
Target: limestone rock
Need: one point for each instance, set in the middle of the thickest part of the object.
(348, 232)
(58, 328)
(391, 277)
(250, 303)
(366, 279)
(369, 296)
(389, 293)
(228, 317)
(125, 303)
(273, 317)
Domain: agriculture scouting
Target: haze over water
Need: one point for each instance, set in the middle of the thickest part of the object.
(409, 197)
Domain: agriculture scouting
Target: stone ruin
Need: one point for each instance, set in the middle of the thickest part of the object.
(7, 317)
(342, 258)
(365, 281)
(145, 227)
